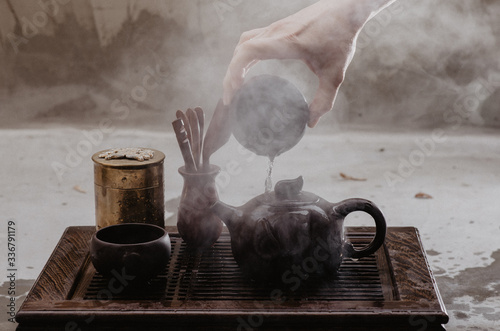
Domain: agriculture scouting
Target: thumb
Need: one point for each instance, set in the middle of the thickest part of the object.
(323, 101)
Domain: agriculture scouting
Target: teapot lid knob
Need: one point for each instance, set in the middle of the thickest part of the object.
(289, 189)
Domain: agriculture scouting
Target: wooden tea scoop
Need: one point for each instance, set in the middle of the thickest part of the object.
(195, 135)
(184, 145)
(181, 115)
(218, 132)
(201, 121)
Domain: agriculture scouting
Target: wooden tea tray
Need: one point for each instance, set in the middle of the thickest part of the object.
(394, 289)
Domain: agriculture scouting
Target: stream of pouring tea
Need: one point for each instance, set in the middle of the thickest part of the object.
(269, 179)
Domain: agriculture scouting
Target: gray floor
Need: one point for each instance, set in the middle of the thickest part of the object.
(47, 185)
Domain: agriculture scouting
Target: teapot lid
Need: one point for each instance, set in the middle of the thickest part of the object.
(289, 193)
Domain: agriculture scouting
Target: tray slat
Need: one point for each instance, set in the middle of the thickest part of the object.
(216, 276)
(393, 287)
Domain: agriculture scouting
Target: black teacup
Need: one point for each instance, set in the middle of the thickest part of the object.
(134, 251)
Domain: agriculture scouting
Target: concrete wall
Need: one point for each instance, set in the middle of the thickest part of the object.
(419, 64)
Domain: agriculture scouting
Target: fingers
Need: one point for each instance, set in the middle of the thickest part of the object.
(235, 76)
(246, 36)
(249, 53)
(323, 100)
(239, 65)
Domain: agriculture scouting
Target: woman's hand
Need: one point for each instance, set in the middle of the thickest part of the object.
(322, 35)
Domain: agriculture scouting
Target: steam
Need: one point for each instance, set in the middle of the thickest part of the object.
(417, 58)
(413, 61)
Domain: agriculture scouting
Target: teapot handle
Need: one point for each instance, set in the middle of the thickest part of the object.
(348, 206)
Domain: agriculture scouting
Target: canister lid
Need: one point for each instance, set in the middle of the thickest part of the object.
(128, 174)
(158, 157)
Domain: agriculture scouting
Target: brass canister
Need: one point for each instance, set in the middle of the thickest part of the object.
(129, 190)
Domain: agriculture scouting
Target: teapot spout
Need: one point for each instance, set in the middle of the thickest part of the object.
(228, 214)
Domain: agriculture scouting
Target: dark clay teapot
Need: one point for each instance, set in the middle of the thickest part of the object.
(287, 231)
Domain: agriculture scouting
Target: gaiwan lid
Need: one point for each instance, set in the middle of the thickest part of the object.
(269, 115)
(128, 168)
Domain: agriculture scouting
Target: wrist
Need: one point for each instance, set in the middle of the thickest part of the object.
(370, 8)
(357, 11)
